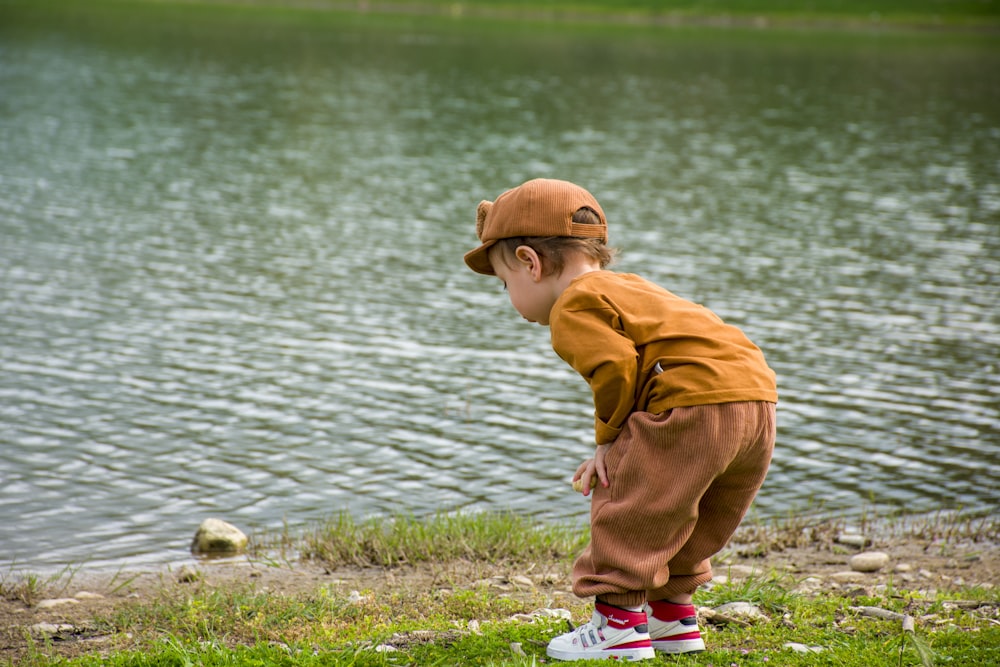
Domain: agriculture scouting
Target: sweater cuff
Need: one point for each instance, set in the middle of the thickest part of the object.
(603, 433)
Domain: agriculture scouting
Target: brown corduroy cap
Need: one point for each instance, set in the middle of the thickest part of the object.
(541, 207)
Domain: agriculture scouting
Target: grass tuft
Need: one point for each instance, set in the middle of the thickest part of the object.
(494, 537)
(29, 587)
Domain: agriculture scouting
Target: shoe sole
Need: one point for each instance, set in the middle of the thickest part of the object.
(630, 654)
(679, 646)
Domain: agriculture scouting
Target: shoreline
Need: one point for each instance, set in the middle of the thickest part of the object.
(71, 619)
(434, 587)
(809, 530)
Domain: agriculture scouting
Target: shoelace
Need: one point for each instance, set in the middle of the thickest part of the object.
(588, 634)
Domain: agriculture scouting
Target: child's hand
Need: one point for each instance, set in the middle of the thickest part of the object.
(591, 472)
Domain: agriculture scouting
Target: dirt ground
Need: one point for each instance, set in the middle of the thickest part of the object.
(72, 618)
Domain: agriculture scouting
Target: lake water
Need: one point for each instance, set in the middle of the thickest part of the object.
(231, 278)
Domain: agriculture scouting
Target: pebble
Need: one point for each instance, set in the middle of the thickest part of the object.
(809, 586)
(854, 540)
(356, 597)
(744, 609)
(869, 561)
(494, 582)
(215, 536)
(544, 613)
(548, 578)
(87, 595)
(55, 602)
(802, 648)
(50, 628)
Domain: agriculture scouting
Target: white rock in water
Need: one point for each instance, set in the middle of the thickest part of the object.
(869, 561)
(215, 536)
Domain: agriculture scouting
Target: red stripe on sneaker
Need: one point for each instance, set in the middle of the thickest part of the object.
(688, 635)
(642, 643)
(620, 618)
(668, 611)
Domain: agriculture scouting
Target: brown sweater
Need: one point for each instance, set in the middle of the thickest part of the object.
(613, 329)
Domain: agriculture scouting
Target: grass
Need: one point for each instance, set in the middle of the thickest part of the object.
(849, 15)
(927, 12)
(868, 9)
(454, 620)
(444, 537)
(29, 587)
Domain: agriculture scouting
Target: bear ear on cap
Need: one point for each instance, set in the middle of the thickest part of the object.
(482, 211)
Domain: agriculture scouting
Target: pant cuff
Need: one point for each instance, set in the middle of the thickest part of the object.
(684, 584)
(629, 599)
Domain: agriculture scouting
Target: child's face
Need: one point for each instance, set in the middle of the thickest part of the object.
(530, 293)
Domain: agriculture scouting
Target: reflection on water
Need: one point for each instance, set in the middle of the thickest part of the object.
(231, 280)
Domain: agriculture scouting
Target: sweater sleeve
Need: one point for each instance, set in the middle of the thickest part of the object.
(593, 342)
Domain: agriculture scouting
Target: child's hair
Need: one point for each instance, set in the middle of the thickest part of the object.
(554, 249)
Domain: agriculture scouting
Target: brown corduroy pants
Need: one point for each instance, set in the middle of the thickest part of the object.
(680, 483)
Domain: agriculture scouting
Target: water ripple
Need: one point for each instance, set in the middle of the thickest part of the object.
(232, 287)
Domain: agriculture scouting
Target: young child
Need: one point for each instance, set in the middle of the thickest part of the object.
(684, 416)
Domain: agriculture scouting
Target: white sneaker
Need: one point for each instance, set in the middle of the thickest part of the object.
(673, 628)
(612, 632)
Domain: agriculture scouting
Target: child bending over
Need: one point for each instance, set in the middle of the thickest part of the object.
(684, 417)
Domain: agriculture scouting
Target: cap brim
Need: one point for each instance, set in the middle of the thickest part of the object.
(479, 259)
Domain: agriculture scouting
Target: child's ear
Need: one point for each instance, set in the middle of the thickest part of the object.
(530, 259)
